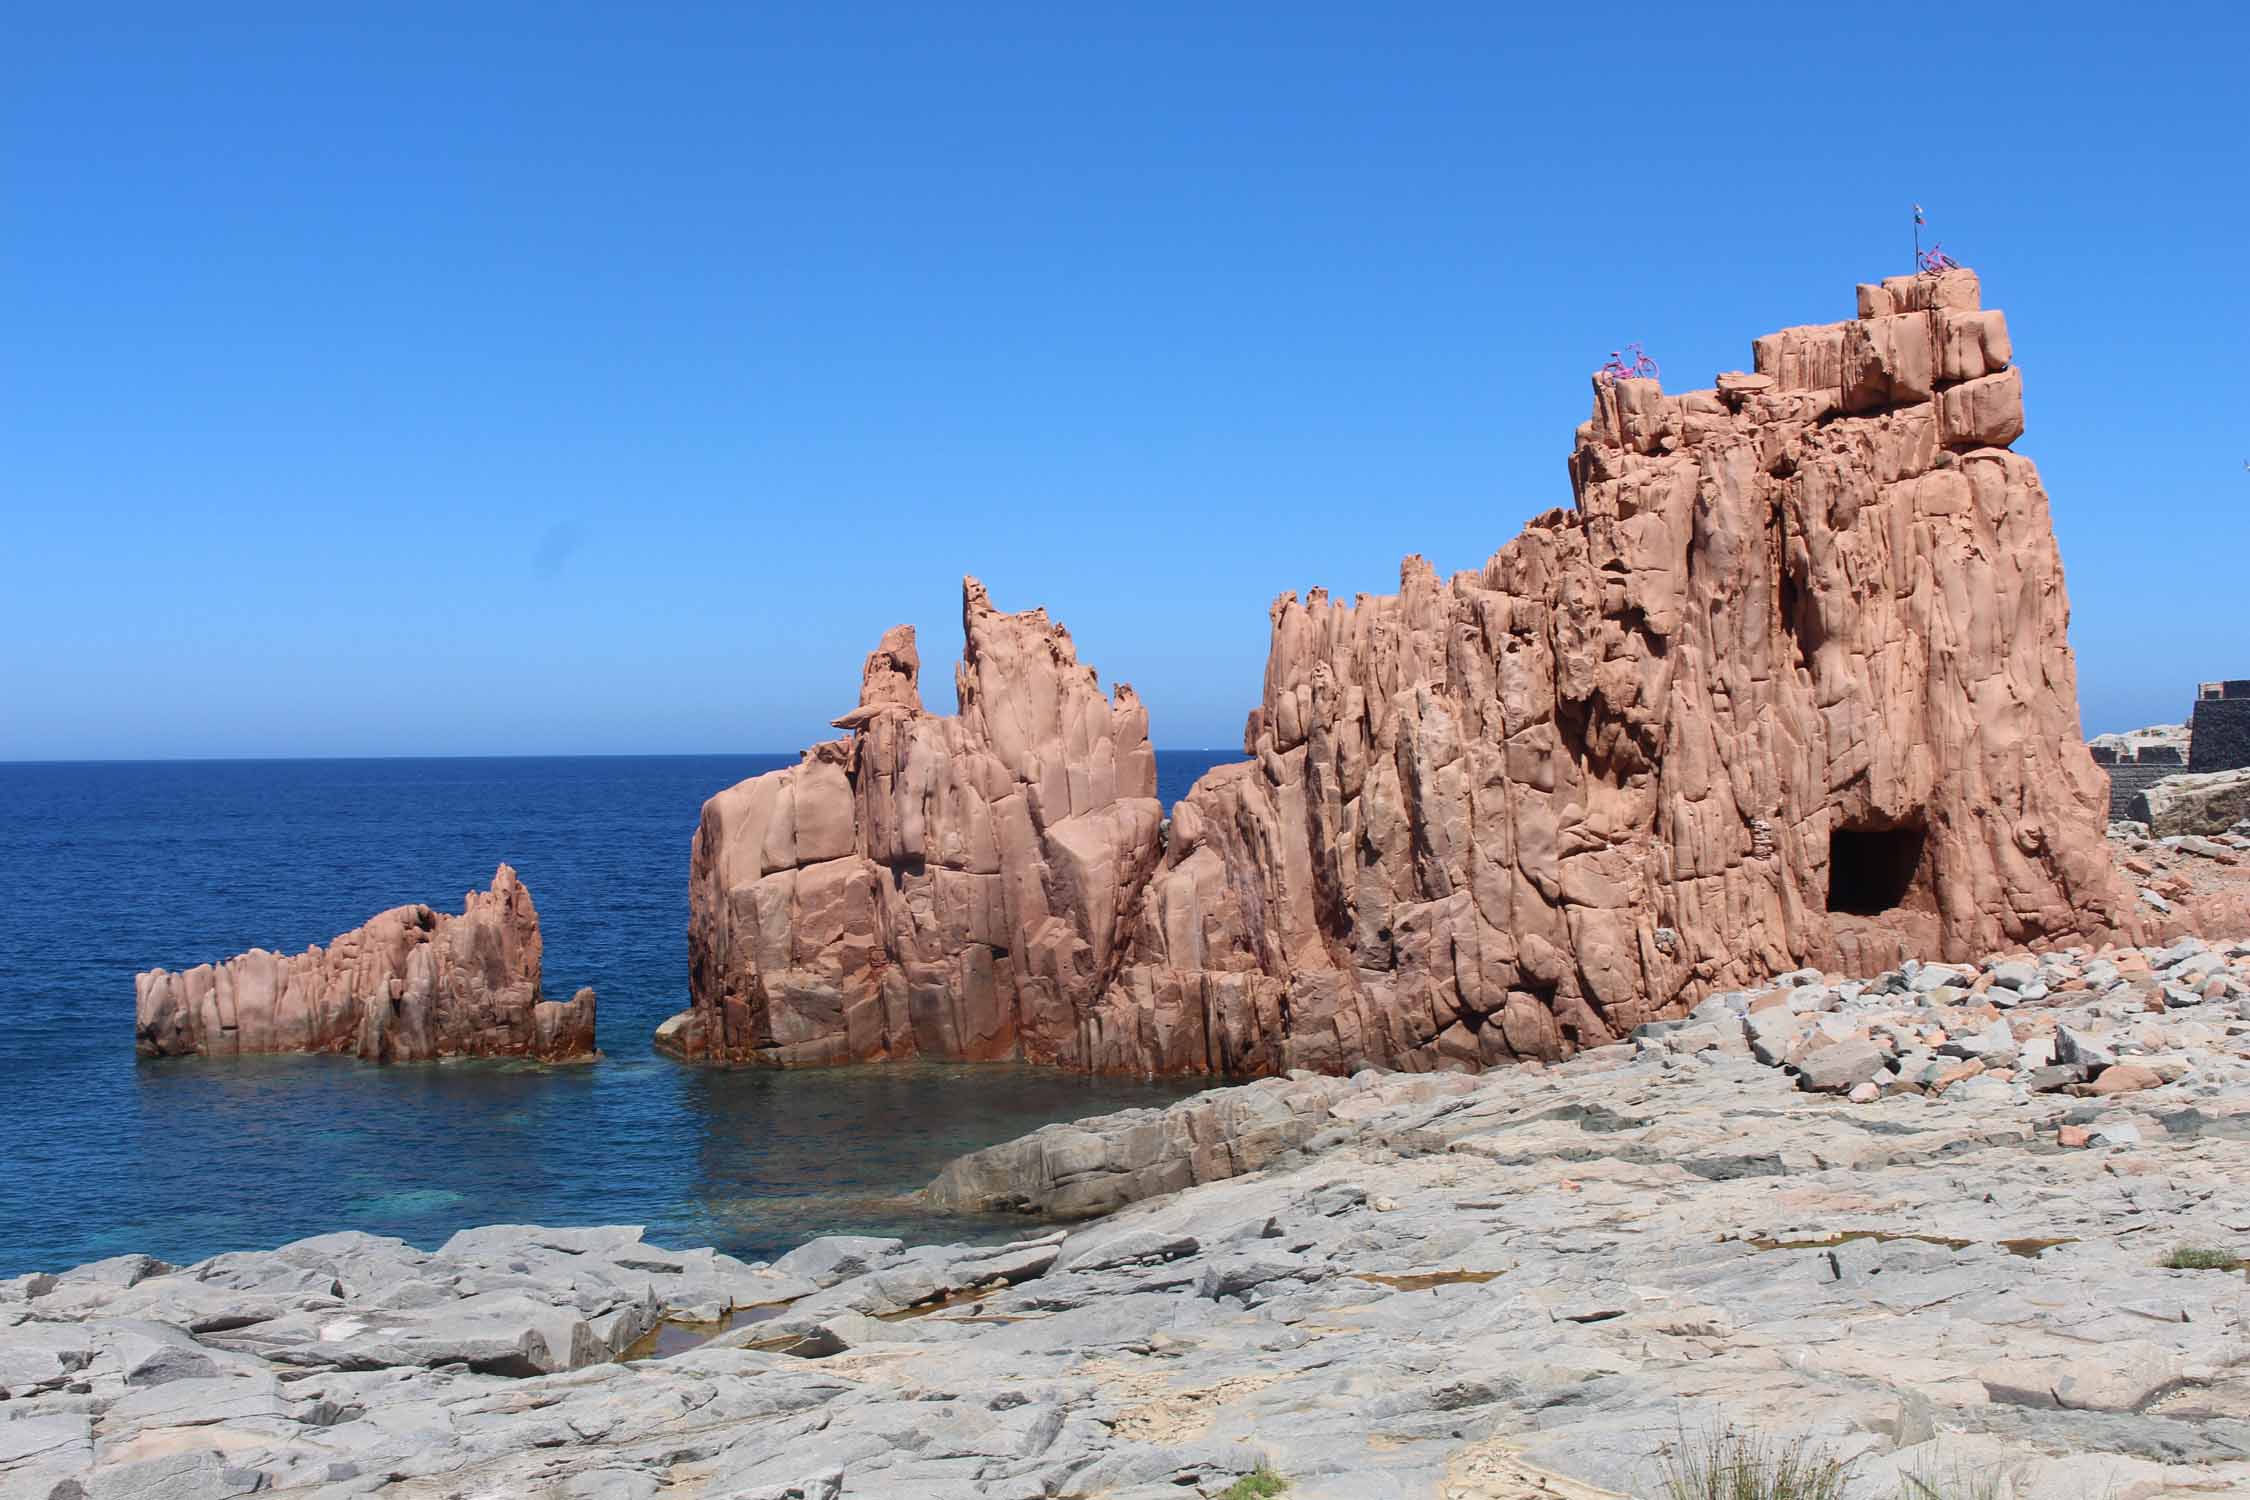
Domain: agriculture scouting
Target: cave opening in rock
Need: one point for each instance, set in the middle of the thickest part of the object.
(1870, 870)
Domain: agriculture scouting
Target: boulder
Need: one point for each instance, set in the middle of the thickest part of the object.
(1840, 1068)
(1095, 1166)
(2208, 802)
(2123, 1078)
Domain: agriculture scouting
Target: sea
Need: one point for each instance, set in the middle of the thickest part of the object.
(108, 868)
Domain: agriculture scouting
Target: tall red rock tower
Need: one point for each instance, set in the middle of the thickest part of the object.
(1790, 684)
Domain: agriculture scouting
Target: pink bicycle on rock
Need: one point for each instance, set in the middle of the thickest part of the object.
(1935, 262)
(1640, 367)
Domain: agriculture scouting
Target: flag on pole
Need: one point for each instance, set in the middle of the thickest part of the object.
(1918, 214)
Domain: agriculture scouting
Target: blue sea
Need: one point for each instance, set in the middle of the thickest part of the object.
(113, 867)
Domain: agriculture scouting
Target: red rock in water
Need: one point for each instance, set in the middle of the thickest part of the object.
(409, 986)
(1788, 685)
(932, 886)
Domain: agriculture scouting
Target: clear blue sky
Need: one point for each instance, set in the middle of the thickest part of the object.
(552, 378)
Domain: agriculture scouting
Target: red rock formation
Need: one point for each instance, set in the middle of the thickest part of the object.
(1790, 684)
(931, 886)
(409, 986)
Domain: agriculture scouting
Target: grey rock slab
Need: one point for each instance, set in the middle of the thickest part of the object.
(502, 1242)
(1134, 1247)
(205, 1474)
(1835, 1069)
(44, 1442)
(837, 1257)
(118, 1271)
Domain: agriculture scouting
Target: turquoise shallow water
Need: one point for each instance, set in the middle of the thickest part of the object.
(106, 869)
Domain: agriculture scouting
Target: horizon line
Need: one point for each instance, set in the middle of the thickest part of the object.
(275, 759)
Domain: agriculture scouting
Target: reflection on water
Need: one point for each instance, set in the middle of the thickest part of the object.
(786, 1155)
(750, 1161)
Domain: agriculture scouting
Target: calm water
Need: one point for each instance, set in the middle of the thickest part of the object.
(107, 869)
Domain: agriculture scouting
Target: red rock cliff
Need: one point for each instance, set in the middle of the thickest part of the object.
(931, 886)
(410, 986)
(1789, 684)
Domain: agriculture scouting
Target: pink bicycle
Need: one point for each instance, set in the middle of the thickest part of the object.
(1640, 367)
(1934, 261)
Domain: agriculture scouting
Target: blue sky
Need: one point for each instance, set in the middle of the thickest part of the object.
(495, 379)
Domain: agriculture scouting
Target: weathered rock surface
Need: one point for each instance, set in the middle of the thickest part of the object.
(932, 886)
(1789, 684)
(411, 985)
(2204, 803)
(1502, 1287)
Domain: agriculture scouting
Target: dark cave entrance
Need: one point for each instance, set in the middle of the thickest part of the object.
(1870, 870)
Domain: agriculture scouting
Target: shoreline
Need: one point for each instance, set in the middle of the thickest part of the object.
(1422, 1284)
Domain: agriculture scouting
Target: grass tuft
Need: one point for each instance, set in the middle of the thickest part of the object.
(1262, 1484)
(1724, 1464)
(2202, 1258)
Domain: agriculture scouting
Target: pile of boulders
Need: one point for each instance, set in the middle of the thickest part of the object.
(2071, 1021)
(2176, 871)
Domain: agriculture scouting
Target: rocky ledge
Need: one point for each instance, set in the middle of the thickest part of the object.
(1931, 1219)
(410, 985)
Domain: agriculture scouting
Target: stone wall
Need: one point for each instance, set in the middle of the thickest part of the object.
(2215, 738)
(2221, 727)
(2127, 779)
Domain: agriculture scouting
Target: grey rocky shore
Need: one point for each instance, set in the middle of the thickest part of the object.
(1922, 1219)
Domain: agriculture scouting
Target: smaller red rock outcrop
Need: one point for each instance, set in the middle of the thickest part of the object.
(932, 886)
(412, 985)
